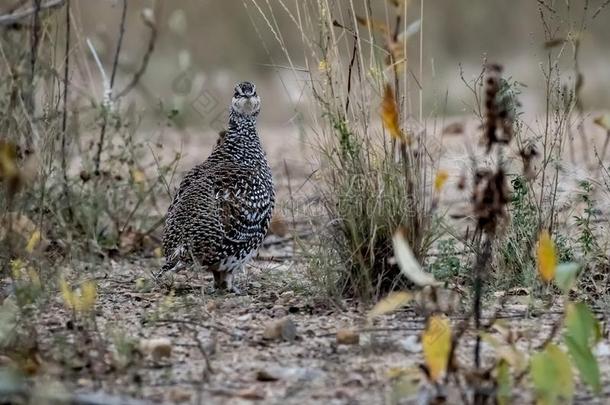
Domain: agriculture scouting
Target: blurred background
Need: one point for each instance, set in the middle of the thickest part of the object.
(207, 45)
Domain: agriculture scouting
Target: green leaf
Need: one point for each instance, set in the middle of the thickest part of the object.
(551, 374)
(582, 325)
(565, 275)
(8, 322)
(582, 332)
(505, 383)
(586, 363)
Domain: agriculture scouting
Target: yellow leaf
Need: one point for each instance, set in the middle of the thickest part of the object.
(70, 299)
(440, 180)
(322, 66)
(33, 242)
(34, 277)
(436, 344)
(389, 113)
(138, 176)
(8, 161)
(373, 25)
(603, 121)
(399, 4)
(392, 302)
(16, 266)
(88, 296)
(547, 256)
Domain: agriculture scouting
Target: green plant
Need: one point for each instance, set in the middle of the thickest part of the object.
(586, 238)
(517, 263)
(370, 183)
(450, 264)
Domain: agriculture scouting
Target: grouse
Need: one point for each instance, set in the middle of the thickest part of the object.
(222, 209)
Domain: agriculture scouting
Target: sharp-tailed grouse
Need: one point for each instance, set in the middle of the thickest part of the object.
(221, 212)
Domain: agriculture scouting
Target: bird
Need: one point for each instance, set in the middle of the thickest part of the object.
(221, 211)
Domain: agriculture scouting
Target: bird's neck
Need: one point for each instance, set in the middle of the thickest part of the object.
(237, 120)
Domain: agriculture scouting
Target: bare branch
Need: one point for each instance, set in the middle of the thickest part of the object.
(12, 18)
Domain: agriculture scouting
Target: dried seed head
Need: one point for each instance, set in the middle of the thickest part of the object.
(489, 198)
(498, 124)
(527, 154)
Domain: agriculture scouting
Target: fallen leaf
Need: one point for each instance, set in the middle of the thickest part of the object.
(603, 121)
(392, 302)
(283, 329)
(157, 348)
(455, 128)
(278, 225)
(138, 176)
(33, 241)
(436, 344)
(252, 393)
(347, 337)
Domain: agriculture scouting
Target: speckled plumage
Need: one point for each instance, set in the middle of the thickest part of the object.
(223, 207)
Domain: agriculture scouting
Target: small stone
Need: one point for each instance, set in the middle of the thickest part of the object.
(158, 348)
(244, 318)
(283, 329)
(279, 311)
(411, 344)
(178, 395)
(211, 306)
(347, 337)
(264, 375)
(252, 393)
(289, 374)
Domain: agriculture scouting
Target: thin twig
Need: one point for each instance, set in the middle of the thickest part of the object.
(10, 19)
(108, 96)
(482, 259)
(198, 324)
(30, 96)
(115, 62)
(64, 120)
(600, 8)
(143, 66)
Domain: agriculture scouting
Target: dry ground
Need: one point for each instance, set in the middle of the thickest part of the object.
(228, 330)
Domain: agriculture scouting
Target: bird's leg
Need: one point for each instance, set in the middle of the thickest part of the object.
(230, 286)
(223, 280)
(219, 280)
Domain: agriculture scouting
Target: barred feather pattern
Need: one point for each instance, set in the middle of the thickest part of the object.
(223, 207)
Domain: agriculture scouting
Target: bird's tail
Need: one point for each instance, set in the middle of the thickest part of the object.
(169, 265)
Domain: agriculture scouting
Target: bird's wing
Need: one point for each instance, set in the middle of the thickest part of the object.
(192, 223)
(244, 206)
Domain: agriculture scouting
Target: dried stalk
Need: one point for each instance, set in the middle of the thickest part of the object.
(115, 63)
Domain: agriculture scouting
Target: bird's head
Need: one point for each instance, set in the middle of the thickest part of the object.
(245, 100)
